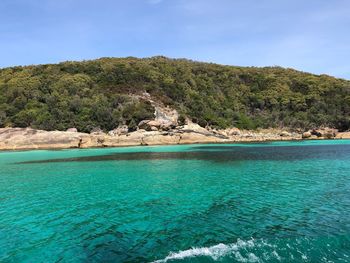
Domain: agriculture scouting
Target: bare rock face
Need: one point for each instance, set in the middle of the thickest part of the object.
(316, 133)
(167, 126)
(123, 129)
(154, 125)
(165, 118)
(27, 138)
(145, 125)
(233, 132)
(343, 135)
(195, 127)
(323, 133)
(327, 133)
(157, 138)
(306, 135)
(96, 131)
(132, 138)
(166, 115)
(190, 138)
(285, 134)
(72, 130)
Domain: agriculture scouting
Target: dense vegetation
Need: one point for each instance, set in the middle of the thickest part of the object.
(97, 94)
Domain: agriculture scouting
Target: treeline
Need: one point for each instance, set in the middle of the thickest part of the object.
(97, 93)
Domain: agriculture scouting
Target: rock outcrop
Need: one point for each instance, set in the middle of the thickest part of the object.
(96, 131)
(150, 125)
(166, 115)
(233, 132)
(323, 133)
(27, 138)
(343, 135)
(285, 134)
(165, 118)
(327, 133)
(123, 129)
(72, 130)
(306, 135)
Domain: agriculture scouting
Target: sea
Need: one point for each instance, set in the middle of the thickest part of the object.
(249, 202)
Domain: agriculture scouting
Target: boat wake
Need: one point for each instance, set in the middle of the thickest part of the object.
(219, 251)
(273, 250)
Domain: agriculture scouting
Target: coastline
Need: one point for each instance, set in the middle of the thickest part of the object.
(31, 139)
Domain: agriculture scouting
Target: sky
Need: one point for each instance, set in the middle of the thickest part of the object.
(308, 35)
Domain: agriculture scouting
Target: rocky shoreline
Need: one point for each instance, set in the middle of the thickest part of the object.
(166, 128)
(27, 138)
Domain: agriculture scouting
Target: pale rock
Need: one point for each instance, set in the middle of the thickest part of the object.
(154, 123)
(316, 133)
(167, 126)
(26, 138)
(123, 129)
(233, 132)
(72, 130)
(306, 135)
(149, 125)
(166, 115)
(96, 131)
(156, 138)
(329, 133)
(144, 125)
(285, 134)
(195, 127)
(343, 135)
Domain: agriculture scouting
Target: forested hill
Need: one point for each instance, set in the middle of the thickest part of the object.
(97, 94)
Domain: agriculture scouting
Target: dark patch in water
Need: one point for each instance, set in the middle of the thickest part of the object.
(222, 154)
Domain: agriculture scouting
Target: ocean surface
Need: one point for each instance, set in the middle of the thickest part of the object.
(257, 202)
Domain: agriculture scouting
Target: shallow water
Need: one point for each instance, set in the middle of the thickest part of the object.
(264, 202)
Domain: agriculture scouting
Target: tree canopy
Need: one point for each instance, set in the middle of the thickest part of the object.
(98, 93)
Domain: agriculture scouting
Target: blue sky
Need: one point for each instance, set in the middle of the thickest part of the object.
(309, 35)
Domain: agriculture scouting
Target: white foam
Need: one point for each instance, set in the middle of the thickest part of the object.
(215, 252)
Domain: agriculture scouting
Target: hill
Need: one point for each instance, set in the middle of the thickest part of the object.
(102, 93)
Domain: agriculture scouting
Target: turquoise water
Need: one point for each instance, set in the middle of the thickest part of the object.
(268, 202)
